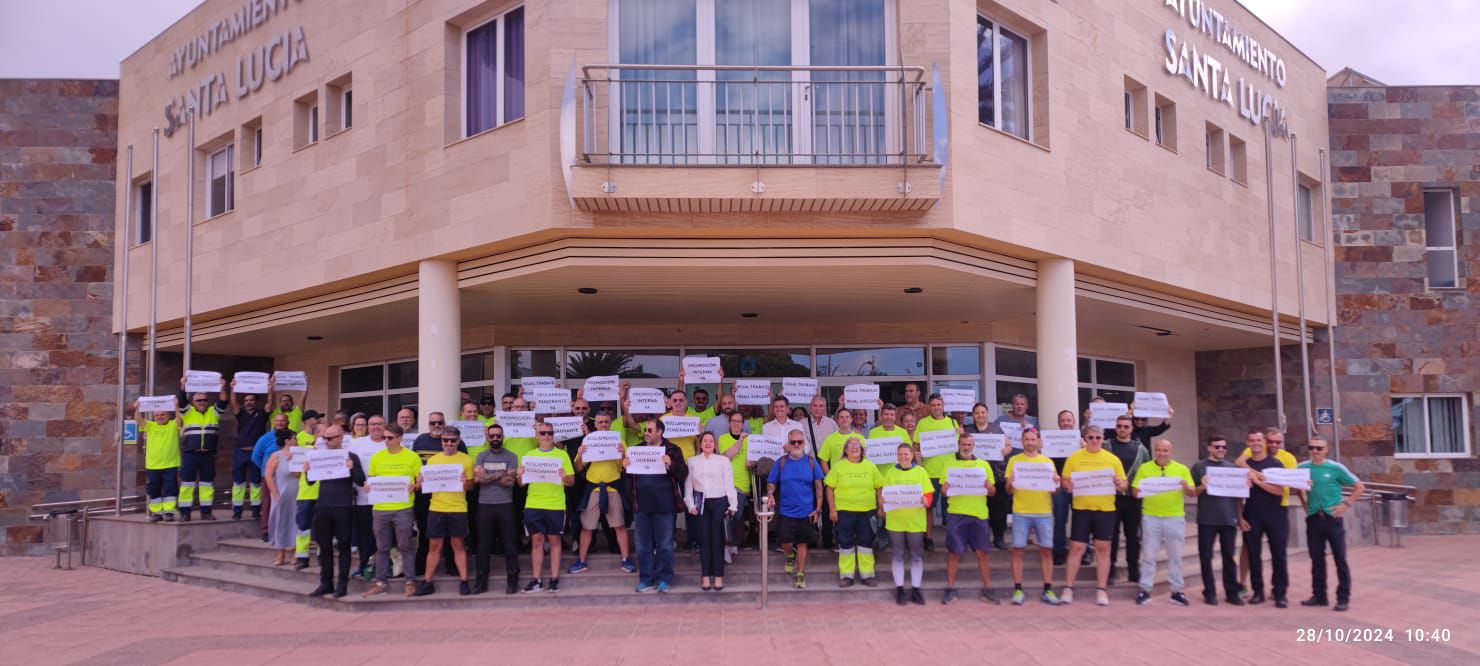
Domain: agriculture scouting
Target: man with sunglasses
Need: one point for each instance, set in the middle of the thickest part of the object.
(1094, 515)
(798, 479)
(493, 473)
(447, 516)
(392, 521)
(200, 429)
(1324, 508)
(1217, 520)
(544, 508)
(334, 517)
(426, 445)
(655, 502)
(1132, 453)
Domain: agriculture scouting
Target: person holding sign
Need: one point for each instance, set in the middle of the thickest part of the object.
(544, 506)
(308, 438)
(1032, 511)
(161, 462)
(1094, 515)
(282, 488)
(832, 447)
(1324, 507)
(200, 426)
(999, 504)
(496, 520)
(935, 465)
(966, 514)
(800, 505)
(334, 516)
(853, 484)
(1132, 453)
(287, 404)
(888, 425)
(1160, 485)
(246, 476)
(655, 502)
(392, 520)
(709, 494)
(602, 498)
(447, 513)
(1217, 519)
(1265, 516)
(521, 446)
(734, 444)
(1062, 499)
(904, 500)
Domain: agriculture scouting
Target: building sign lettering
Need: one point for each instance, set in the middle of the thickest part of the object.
(269, 61)
(1206, 73)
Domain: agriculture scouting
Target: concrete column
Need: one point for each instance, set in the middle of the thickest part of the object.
(439, 345)
(1058, 349)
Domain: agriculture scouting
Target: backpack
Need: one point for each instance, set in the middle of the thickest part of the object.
(781, 465)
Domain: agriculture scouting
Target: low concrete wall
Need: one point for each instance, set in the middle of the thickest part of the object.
(133, 544)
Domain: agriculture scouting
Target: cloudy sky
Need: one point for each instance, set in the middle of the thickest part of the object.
(1395, 41)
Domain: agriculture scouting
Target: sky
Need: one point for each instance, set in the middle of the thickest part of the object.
(1412, 42)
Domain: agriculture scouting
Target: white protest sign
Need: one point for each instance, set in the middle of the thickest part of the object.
(701, 369)
(249, 382)
(1227, 482)
(937, 442)
(680, 426)
(882, 450)
(602, 445)
(646, 460)
(861, 396)
(762, 446)
(989, 446)
(326, 464)
(605, 387)
(906, 496)
(1298, 478)
(158, 403)
(442, 478)
(1152, 405)
(290, 380)
(1094, 482)
(566, 427)
(1156, 485)
(752, 392)
(202, 381)
(296, 457)
(549, 400)
(1104, 414)
(516, 424)
(474, 432)
(540, 469)
(645, 401)
(389, 489)
(1014, 432)
(797, 389)
(966, 481)
(1033, 476)
(958, 399)
(531, 383)
(1059, 443)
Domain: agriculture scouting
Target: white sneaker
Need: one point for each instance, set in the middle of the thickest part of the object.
(1066, 597)
(1102, 598)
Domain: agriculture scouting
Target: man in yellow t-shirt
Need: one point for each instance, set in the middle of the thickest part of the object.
(934, 420)
(544, 507)
(602, 499)
(1094, 510)
(831, 450)
(392, 522)
(1032, 511)
(1164, 522)
(447, 515)
(966, 515)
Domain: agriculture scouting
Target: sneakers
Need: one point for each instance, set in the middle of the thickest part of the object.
(1340, 606)
(801, 581)
(321, 590)
(1314, 601)
(663, 587)
(1102, 598)
(791, 561)
(1143, 598)
(579, 567)
(1050, 598)
(916, 597)
(533, 586)
(1018, 597)
(464, 588)
(1067, 596)
(554, 585)
(169, 517)
(367, 574)
(870, 582)
(376, 589)
(155, 518)
(948, 596)
(425, 588)
(1180, 599)
(989, 597)
(1256, 599)
(410, 588)
(1210, 600)
(1235, 601)
(900, 597)
(643, 588)
(845, 582)
(629, 567)
(301, 564)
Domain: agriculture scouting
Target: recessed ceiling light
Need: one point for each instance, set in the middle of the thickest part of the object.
(315, 338)
(750, 315)
(913, 290)
(587, 290)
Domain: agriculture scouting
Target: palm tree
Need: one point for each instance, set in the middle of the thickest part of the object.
(580, 365)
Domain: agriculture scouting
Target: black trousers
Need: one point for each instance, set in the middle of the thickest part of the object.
(363, 535)
(330, 524)
(1000, 504)
(1272, 522)
(1227, 536)
(1322, 530)
(711, 526)
(497, 522)
(1127, 522)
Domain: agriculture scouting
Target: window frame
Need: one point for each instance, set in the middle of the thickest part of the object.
(1428, 442)
(997, 29)
(257, 146)
(313, 124)
(1454, 233)
(384, 392)
(140, 217)
(500, 83)
(346, 113)
(1305, 225)
(230, 188)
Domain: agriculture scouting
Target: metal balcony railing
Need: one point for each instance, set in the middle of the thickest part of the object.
(753, 115)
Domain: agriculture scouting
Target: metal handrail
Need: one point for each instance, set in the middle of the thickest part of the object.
(73, 506)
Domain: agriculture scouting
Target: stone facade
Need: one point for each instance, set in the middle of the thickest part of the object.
(1395, 334)
(58, 356)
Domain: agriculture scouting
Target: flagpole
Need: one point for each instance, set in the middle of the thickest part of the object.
(153, 266)
(1330, 312)
(1310, 416)
(1274, 297)
(189, 236)
(128, 197)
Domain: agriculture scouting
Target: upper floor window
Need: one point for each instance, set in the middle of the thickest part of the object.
(1002, 86)
(1430, 426)
(1166, 123)
(493, 74)
(1441, 240)
(143, 212)
(313, 124)
(221, 174)
(1304, 210)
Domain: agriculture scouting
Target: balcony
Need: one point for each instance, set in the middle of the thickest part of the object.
(678, 138)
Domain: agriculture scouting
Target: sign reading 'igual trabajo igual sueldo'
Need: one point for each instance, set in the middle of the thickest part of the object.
(1206, 73)
(270, 60)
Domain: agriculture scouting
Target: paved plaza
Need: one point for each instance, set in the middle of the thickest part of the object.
(94, 616)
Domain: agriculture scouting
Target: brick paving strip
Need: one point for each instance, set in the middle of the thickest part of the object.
(95, 616)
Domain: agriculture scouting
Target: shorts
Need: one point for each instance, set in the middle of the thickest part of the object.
(544, 521)
(446, 525)
(795, 531)
(1100, 524)
(591, 514)
(965, 532)
(1040, 524)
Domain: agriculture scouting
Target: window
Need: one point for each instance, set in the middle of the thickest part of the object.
(1002, 68)
(143, 211)
(346, 109)
(1238, 153)
(378, 388)
(257, 146)
(1213, 144)
(871, 362)
(221, 174)
(493, 72)
(251, 140)
(1135, 106)
(340, 97)
(1305, 212)
(1441, 241)
(313, 124)
(306, 120)
(1166, 123)
(1431, 426)
(1017, 372)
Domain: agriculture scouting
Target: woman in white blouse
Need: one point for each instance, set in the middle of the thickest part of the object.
(709, 493)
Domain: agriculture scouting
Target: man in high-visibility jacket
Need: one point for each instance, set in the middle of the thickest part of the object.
(200, 429)
(308, 494)
(161, 462)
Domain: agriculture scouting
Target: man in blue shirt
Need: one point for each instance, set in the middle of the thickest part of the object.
(799, 478)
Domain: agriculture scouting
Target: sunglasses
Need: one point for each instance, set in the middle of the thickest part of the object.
(1222, 447)
(1095, 437)
(798, 441)
(450, 439)
(435, 423)
(546, 433)
(1317, 448)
